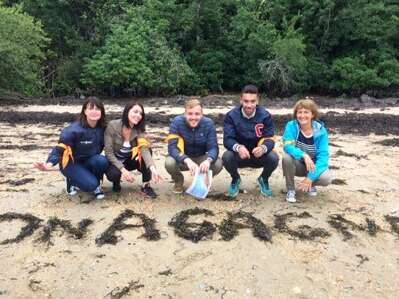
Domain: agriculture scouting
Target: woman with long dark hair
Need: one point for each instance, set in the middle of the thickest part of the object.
(127, 149)
(79, 151)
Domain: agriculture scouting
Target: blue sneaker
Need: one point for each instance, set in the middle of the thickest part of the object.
(234, 188)
(264, 187)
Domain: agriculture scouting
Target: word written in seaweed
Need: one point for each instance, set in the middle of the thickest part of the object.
(194, 231)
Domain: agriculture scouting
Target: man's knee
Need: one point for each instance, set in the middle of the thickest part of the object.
(217, 166)
(271, 159)
(228, 157)
(171, 165)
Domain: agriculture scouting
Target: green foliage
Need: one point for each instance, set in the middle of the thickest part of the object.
(201, 46)
(137, 57)
(21, 43)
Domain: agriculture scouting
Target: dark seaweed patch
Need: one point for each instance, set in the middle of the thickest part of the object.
(362, 258)
(118, 293)
(75, 232)
(343, 225)
(338, 182)
(394, 222)
(192, 231)
(229, 227)
(345, 154)
(303, 232)
(18, 182)
(166, 272)
(33, 224)
(389, 142)
(109, 237)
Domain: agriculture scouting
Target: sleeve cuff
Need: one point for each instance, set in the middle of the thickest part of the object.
(264, 147)
(236, 147)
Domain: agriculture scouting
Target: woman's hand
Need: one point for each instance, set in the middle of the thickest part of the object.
(155, 176)
(126, 175)
(305, 185)
(308, 162)
(44, 166)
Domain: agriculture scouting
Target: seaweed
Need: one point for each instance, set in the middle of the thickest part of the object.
(192, 231)
(394, 222)
(33, 224)
(362, 258)
(389, 142)
(343, 225)
(229, 227)
(338, 182)
(16, 183)
(303, 232)
(118, 293)
(75, 232)
(345, 154)
(109, 237)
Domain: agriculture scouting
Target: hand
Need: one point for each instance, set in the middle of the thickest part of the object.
(243, 152)
(155, 177)
(258, 152)
(126, 175)
(204, 166)
(309, 163)
(191, 165)
(305, 185)
(44, 166)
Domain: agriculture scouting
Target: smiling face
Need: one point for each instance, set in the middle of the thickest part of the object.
(193, 115)
(304, 116)
(93, 114)
(248, 102)
(135, 115)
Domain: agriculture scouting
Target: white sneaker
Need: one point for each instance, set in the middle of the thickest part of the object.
(290, 197)
(98, 193)
(313, 191)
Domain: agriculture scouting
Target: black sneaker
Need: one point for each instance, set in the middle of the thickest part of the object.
(146, 190)
(116, 187)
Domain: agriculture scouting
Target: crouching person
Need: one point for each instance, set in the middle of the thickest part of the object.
(127, 149)
(248, 138)
(192, 145)
(306, 151)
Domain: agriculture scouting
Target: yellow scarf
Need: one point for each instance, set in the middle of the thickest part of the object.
(136, 151)
(66, 155)
(180, 141)
(260, 142)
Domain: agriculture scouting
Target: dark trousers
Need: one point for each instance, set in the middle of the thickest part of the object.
(232, 161)
(114, 174)
(87, 174)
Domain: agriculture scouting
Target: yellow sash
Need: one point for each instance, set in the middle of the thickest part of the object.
(136, 151)
(180, 141)
(260, 142)
(289, 142)
(66, 155)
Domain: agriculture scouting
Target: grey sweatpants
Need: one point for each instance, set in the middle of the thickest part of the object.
(292, 168)
(175, 168)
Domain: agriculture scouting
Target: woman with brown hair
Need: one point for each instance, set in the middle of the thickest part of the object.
(306, 151)
(79, 151)
(127, 149)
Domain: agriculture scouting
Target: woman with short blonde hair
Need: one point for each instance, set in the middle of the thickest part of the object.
(306, 151)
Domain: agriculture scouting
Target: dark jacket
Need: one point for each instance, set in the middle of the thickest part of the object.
(239, 130)
(198, 141)
(84, 141)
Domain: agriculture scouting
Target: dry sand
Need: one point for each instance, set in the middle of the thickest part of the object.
(364, 266)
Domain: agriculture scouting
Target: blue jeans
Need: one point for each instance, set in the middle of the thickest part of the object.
(87, 174)
(232, 161)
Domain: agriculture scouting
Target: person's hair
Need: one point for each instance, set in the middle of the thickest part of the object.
(191, 103)
(125, 116)
(250, 89)
(309, 104)
(91, 102)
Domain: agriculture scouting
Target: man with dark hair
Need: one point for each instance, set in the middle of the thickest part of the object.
(248, 138)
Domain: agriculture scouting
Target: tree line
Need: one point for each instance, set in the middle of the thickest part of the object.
(169, 47)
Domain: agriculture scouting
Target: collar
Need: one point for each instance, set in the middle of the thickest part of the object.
(246, 116)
